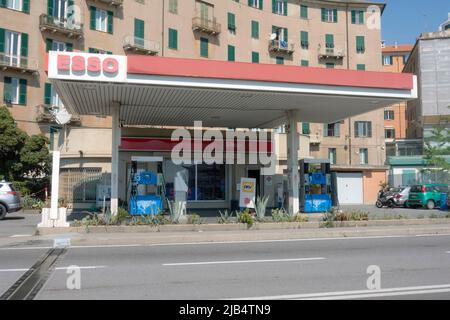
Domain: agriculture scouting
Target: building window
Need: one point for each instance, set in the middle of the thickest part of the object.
(387, 60)
(258, 4)
(173, 39)
(360, 44)
(332, 129)
(51, 97)
(280, 60)
(405, 58)
(332, 155)
(99, 51)
(232, 22)
(15, 91)
(59, 9)
(255, 57)
(304, 12)
(361, 67)
(363, 156)
(101, 20)
(11, 47)
(389, 133)
(204, 47)
(139, 32)
(357, 17)
(12, 4)
(304, 40)
(255, 29)
(329, 65)
(173, 6)
(329, 41)
(205, 182)
(304, 63)
(306, 128)
(363, 129)
(389, 115)
(54, 45)
(329, 15)
(231, 53)
(279, 7)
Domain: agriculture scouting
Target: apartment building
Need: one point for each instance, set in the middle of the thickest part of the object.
(316, 34)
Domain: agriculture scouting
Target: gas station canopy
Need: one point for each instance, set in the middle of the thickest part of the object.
(176, 92)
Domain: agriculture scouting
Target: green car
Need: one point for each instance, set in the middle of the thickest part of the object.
(426, 195)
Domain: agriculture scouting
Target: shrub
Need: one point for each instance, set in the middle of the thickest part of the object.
(194, 219)
(261, 205)
(122, 215)
(225, 217)
(246, 217)
(328, 220)
(281, 215)
(300, 218)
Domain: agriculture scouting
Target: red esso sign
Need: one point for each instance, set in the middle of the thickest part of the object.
(80, 65)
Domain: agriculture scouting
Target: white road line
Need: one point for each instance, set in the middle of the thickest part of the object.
(356, 294)
(387, 294)
(25, 248)
(58, 268)
(448, 252)
(20, 235)
(240, 261)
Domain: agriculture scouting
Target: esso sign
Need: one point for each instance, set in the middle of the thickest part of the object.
(85, 66)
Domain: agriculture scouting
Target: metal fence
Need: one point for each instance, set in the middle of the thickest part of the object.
(413, 178)
(79, 184)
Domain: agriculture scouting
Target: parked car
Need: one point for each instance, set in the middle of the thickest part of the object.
(426, 195)
(400, 199)
(9, 199)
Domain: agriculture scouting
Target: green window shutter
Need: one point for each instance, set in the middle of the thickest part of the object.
(231, 53)
(69, 47)
(304, 63)
(249, 3)
(110, 22)
(92, 17)
(324, 14)
(109, 52)
(261, 4)
(306, 128)
(335, 15)
(303, 12)
(337, 129)
(48, 94)
(360, 44)
(280, 60)
(24, 45)
(6, 88)
(353, 16)
(2, 40)
(361, 67)
(255, 29)
(48, 44)
(329, 40)
(22, 91)
(26, 6)
(231, 21)
(255, 57)
(356, 129)
(3, 3)
(274, 6)
(286, 34)
(139, 28)
(50, 8)
(361, 17)
(369, 129)
(91, 50)
(304, 39)
(173, 39)
(285, 8)
(325, 129)
(204, 47)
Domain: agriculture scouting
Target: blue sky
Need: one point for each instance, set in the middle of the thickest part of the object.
(404, 20)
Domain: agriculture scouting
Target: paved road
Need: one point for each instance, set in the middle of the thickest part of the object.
(19, 224)
(292, 269)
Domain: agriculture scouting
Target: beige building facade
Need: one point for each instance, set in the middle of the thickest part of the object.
(322, 34)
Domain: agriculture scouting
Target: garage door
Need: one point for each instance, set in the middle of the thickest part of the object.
(350, 187)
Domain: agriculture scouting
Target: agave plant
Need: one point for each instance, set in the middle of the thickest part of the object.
(261, 205)
(176, 209)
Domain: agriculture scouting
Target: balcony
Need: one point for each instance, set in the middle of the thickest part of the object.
(281, 46)
(137, 45)
(47, 114)
(18, 64)
(326, 52)
(115, 3)
(209, 26)
(61, 26)
(315, 138)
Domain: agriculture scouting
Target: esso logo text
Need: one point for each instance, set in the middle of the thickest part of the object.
(93, 65)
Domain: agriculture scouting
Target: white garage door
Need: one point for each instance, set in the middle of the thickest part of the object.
(350, 187)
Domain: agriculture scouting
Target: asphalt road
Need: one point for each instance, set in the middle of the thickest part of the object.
(19, 224)
(411, 268)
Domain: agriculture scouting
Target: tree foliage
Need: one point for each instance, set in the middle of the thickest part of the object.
(437, 145)
(21, 156)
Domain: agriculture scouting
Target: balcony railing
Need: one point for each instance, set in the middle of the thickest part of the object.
(206, 25)
(281, 46)
(19, 64)
(47, 114)
(60, 25)
(116, 3)
(140, 46)
(331, 52)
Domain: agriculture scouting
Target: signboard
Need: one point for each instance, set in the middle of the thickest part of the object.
(87, 66)
(248, 192)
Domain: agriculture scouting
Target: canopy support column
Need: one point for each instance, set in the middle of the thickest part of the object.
(292, 163)
(116, 137)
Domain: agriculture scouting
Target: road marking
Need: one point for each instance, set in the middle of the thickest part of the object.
(58, 268)
(359, 294)
(20, 235)
(241, 261)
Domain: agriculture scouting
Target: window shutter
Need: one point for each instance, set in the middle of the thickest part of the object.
(304, 63)
(91, 50)
(2, 40)
(92, 17)
(325, 129)
(369, 129)
(231, 53)
(173, 39)
(204, 47)
(304, 12)
(274, 6)
(324, 15)
(353, 16)
(48, 94)
(48, 44)
(69, 47)
(285, 8)
(6, 93)
(3, 3)
(26, 6)
(109, 52)
(329, 40)
(111, 21)
(356, 129)
(255, 57)
(50, 8)
(335, 15)
(286, 34)
(304, 38)
(306, 128)
(261, 4)
(24, 45)
(361, 17)
(139, 29)
(22, 91)
(255, 29)
(231, 21)
(337, 129)
(250, 2)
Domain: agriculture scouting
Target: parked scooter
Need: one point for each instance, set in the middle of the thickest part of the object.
(385, 199)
